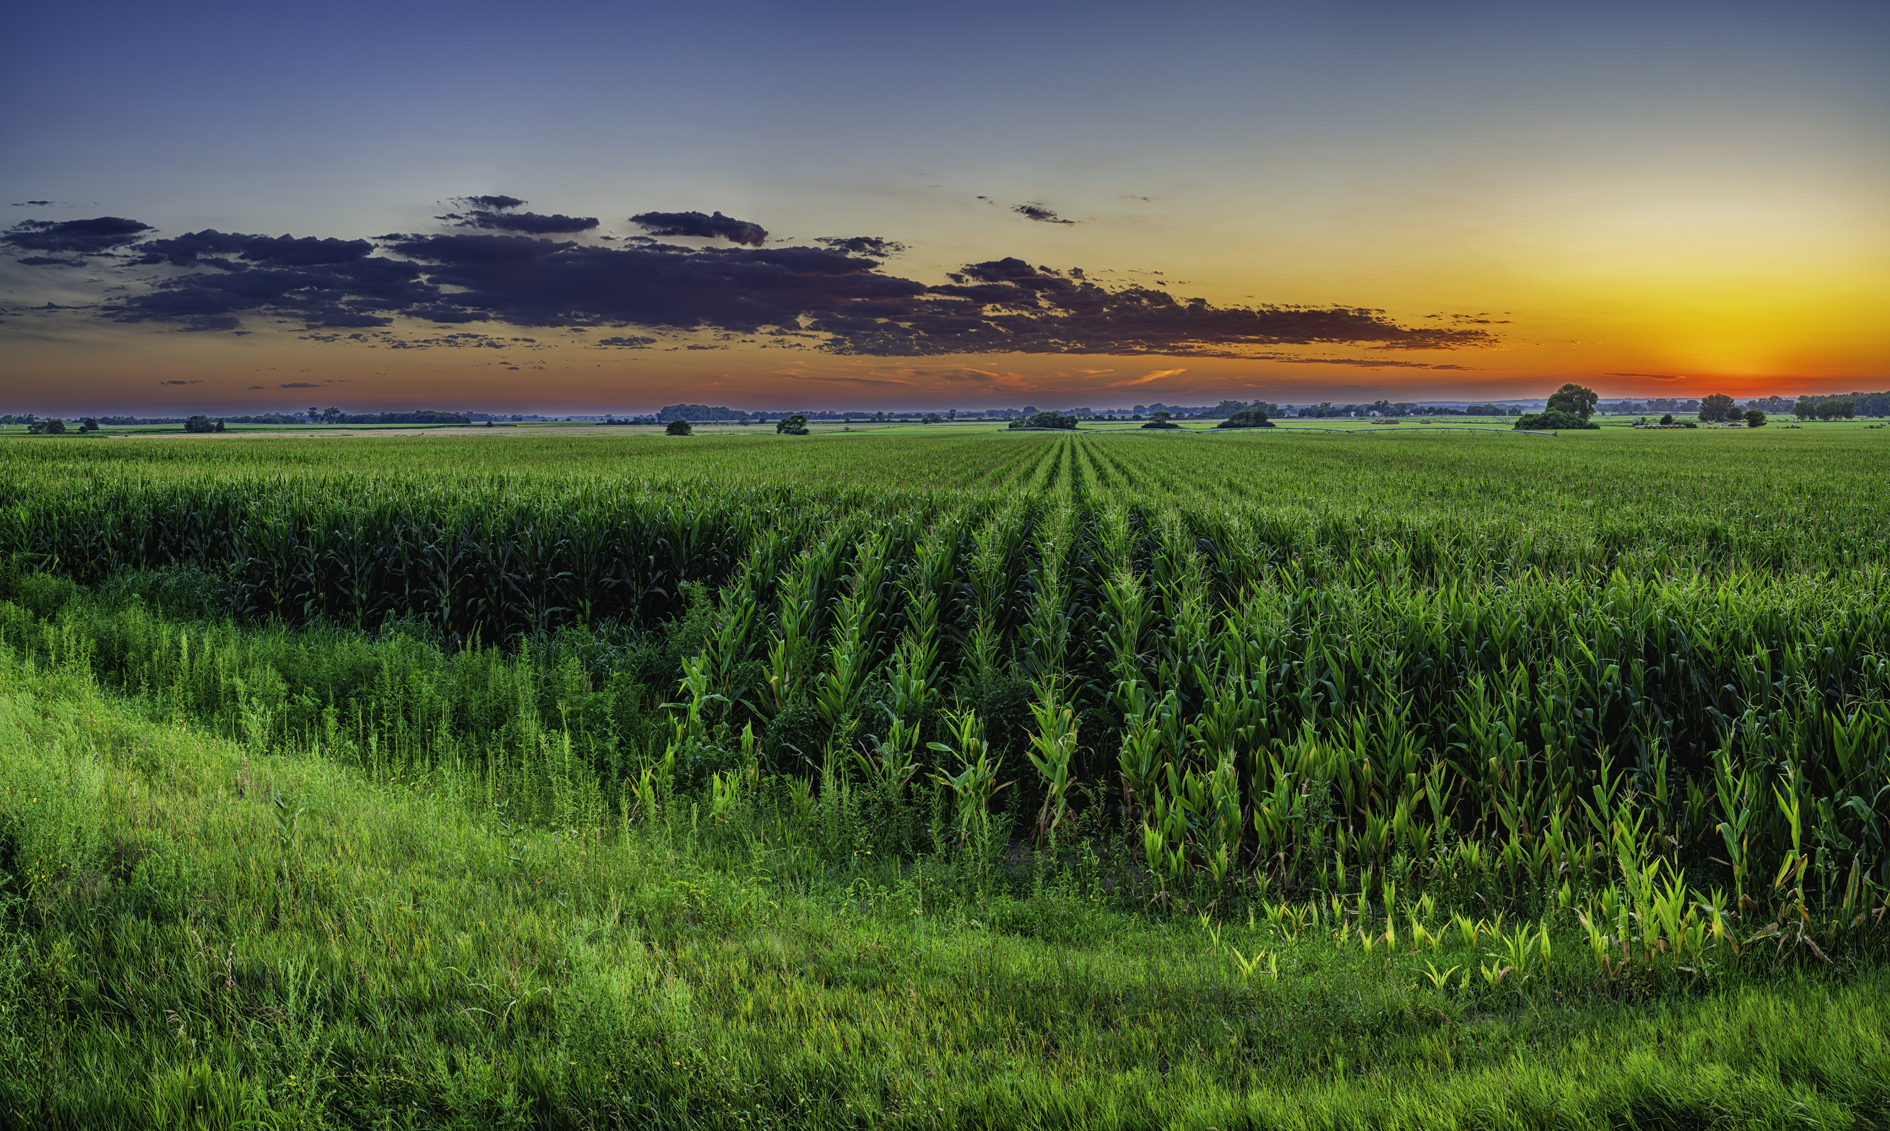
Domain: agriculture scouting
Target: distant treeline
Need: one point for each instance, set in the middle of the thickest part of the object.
(422, 416)
(332, 416)
(1805, 407)
(700, 412)
(1398, 408)
(1862, 404)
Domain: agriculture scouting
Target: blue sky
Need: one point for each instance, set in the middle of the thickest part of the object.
(1643, 197)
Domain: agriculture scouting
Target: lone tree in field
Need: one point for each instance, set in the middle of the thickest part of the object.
(1569, 407)
(678, 428)
(1573, 399)
(199, 423)
(794, 424)
(1755, 418)
(1246, 418)
(1718, 408)
(1159, 419)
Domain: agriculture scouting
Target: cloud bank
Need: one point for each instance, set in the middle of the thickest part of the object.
(99, 234)
(715, 226)
(835, 296)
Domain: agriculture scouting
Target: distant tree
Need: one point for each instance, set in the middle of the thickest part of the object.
(219, 426)
(314, 415)
(951, 414)
(1554, 420)
(1247, 418)
(1573, 399)
(89, 424)
(50, 426)
(1160, 419)
(1755, 418)
(698, 412)
(934, 418)
(794, 424)
(1667, 419)
(199, 423)
(1045, 420)
(1717, 408)
(677, 428)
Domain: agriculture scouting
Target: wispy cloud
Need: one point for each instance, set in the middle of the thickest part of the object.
(1037, 212)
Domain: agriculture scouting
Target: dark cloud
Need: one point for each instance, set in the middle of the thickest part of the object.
(530, 223)
(199, 382)
(872, 247)
(101, 233)
(213, 248)
(715, 226)
(326, 282)
(545, 283)
(31, 203)
(1040, 214)
(835, 295)
(50, 261)
(300, 385)
(490, 203)
(1008, 306)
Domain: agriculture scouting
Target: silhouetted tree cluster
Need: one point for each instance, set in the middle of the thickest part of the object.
(1718, 408)
(1569, 407)
(1247, 418)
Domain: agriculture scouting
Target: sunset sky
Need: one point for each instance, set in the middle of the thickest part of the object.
(903, 205)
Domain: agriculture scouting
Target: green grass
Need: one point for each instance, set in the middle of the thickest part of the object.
(219, 937)
(581, 777)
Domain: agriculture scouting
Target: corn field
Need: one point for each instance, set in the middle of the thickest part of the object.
(1648, 686)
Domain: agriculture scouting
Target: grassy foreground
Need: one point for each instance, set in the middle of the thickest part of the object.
(199, 934)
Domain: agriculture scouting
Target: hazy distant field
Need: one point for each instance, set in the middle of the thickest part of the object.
(944, 776)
